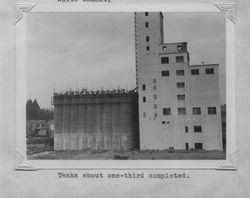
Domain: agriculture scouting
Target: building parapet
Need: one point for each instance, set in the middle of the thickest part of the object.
(204, 65)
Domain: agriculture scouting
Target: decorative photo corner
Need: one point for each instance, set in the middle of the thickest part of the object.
(122, 161)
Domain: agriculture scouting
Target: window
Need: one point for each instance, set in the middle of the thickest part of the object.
(155, 115)
(155, 106)
(198, 146)
(164, 60)
(181, 97)
(148, 48)
(146, 24)
(166, 111)
(144, 99)
(195, 72)
(210, 71)
(180, 85)
(181, 111)
(146, 13)
(197, 129)
(143, 87)
(147, 38)
(165, 73)
(179, 59)
(186, 146)
(164, 48)
(179, 72)
(211, 110)
(144, 114)
(154, 87)
(186, 129)
(163, 122)
(155, 96)
(196, 110)
(154, 80)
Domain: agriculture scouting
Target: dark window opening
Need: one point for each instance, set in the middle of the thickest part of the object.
(197, 129)
(186, 146)
(166, 111)
(181, 97)
(164, 60)
(211, 110)
(198, 146)
(196, 110)
(186, 129)
(165, 73)
(144, 99)
(179, 72)
(147, 38)
(195, 71)
(155, 115)
(146, 13)
(181, 111)
(146, 24)
(210, 71)
(180, 85)
(148, 48)
(155, 96)
(154, 87)
(179, 59)
(143, 87)
(163, 122)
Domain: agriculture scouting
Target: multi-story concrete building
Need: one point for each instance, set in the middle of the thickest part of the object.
(179, 104)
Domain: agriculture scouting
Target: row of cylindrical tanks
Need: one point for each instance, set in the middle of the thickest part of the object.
(104, 123)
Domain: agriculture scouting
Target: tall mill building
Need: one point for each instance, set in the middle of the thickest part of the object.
(179, 103)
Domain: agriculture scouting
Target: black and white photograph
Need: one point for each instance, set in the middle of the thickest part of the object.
(131, 98)
(126, 86)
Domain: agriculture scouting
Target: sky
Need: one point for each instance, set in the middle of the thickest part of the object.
(96, 50)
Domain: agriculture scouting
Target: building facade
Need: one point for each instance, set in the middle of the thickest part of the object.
(179, 103)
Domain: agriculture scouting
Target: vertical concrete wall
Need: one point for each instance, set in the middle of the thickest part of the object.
(96, 121)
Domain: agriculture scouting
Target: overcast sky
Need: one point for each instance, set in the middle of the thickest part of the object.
(95, 50)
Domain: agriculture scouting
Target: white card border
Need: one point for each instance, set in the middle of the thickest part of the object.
(21, 163)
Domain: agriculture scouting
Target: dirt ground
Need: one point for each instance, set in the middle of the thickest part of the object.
(49, 154)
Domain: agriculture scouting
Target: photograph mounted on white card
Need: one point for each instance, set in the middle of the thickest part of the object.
(122, 87)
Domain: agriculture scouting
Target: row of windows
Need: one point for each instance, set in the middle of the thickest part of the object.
(197, 71)
(193, 72)
(179, 97)
(196, 111)
(181, 111)
(197, 128)
(178, 59)
(179, 48)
